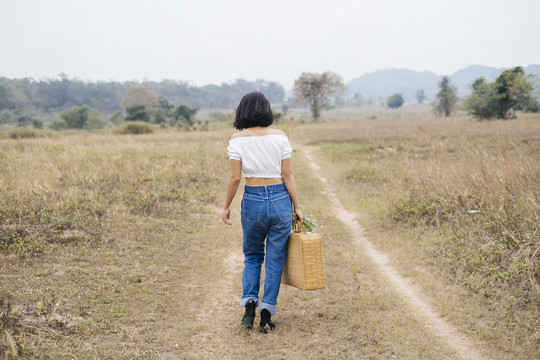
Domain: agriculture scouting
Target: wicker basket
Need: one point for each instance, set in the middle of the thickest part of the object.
(303, 268)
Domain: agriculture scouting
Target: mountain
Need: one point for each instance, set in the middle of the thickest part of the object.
(464, 77)
(385, 83)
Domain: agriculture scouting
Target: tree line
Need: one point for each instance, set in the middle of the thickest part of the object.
(61, 93)
(175, 103)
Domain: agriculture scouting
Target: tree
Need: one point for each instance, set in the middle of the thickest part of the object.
(5, 97)
(395, 101)
(80, 117)
(446, 100)
(277, 116)
(159, 117)
(358, 99)
(166, 106)
(58, 92)
(482, 102)
(319, 90)
(533, 105)
(61, 93)
(76, 117)
(137, 113)
(420, 96)
(273, 91)
(117, 118)
(7, 117)
(511, 91)
(139, 103)
(185, 114)
(23, 118)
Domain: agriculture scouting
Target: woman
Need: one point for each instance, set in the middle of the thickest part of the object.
(263, 154)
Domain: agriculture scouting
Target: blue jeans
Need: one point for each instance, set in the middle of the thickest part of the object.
(266, 214)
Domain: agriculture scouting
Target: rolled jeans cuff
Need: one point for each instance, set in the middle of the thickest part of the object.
(246, 300)
(270, 307)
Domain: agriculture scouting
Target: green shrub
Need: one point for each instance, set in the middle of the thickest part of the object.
(395, 101)
(22, 133)
(117, 118)
(135, 127)
(58, 125)
(37, 123)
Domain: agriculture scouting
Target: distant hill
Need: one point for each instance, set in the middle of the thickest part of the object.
(387, 82)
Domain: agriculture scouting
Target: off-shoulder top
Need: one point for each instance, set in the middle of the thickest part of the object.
(261, 156)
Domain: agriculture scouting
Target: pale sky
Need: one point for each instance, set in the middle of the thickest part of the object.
(210, 41)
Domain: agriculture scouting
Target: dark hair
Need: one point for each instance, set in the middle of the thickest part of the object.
(254, 110)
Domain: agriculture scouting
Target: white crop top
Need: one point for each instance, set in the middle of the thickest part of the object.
(260, 155)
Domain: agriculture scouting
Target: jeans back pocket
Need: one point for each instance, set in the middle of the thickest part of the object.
(251, 209)
(283, 207)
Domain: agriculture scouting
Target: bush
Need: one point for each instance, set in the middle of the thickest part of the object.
(22, 133)
(185, 114)
(117, 118)
(37, 123)
(135, 127)
(395, 101)
(80, 117)
(58, 125)
(95, 121)
(482, 103)
(533, 105)
(76, 117)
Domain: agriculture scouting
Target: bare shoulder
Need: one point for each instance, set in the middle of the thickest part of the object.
(235, 135)
(277, 132)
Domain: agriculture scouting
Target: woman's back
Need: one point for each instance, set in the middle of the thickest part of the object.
(261, 152)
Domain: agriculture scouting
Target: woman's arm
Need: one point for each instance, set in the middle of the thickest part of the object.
(290, 184)
(234, 180)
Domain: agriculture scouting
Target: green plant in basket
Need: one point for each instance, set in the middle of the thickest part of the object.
(309, 224)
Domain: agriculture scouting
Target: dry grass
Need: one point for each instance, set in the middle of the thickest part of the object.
(135, 128)
(92, 229)
(112, 245)
(453, 197)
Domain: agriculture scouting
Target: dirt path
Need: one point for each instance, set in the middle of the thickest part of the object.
(221, 305)
(433, 321)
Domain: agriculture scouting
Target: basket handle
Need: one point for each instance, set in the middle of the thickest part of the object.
(299, 225)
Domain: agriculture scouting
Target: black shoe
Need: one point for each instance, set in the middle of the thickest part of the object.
(265, 320)
(249, 315)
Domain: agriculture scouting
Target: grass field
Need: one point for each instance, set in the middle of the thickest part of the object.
(112, 246)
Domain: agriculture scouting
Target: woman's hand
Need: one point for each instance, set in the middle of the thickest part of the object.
(225, 215)
(299, 214)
